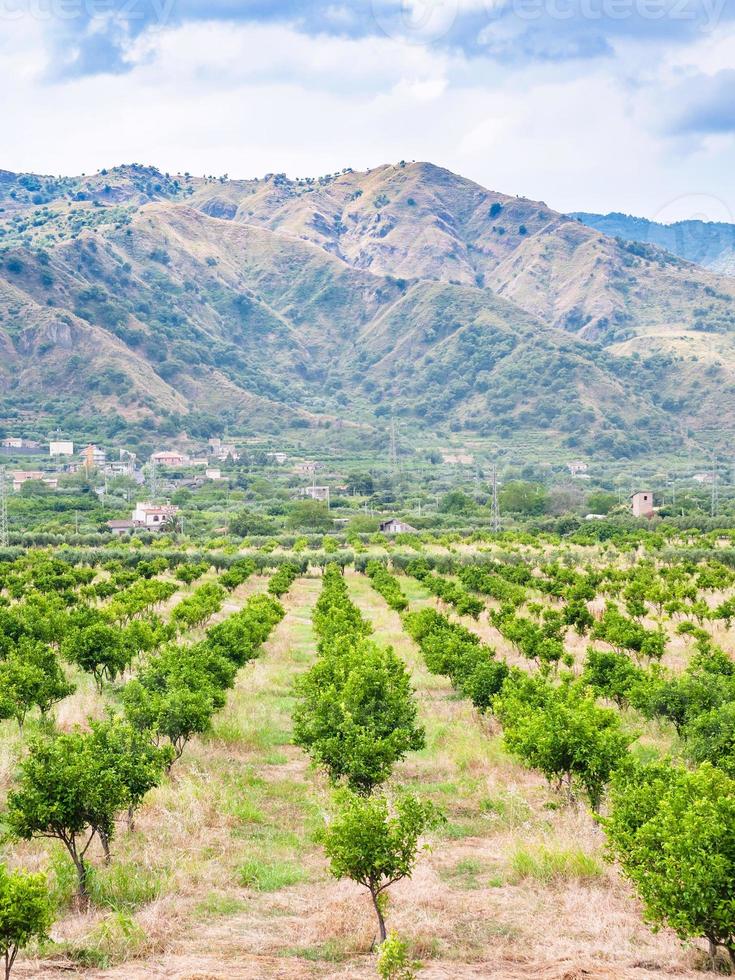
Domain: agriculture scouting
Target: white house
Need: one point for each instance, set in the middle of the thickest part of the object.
(152, 516)
(213, 473)
(316, 493)
(61, 447)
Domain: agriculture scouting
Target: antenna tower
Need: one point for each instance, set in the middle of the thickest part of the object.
(496, 507)
(393, 451)
(3, 509)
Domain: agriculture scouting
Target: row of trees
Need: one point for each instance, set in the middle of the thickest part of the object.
(75, 787)
(447, 590)
(671, 828)
(356, 716)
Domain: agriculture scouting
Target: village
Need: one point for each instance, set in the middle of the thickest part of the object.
(144, 492)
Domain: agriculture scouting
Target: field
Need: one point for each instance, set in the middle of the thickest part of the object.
(224, 873)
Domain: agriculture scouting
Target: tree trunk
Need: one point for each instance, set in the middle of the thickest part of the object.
(105, 841)
(82, 889)
(381, 921)
(131, 819)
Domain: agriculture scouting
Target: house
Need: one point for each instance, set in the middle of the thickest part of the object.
(20, 477)
(278, 458)
(316, 493)
(396, 526)
(121, 527)
(15, 442)
(153, 516)
(306, 468)
(641, 503)
(223, 450)
(92, 457)
(458, 459)
(169, 457)
(578, 468)
(213, 473)
(703, 478)
(120, 467)
(61, 447)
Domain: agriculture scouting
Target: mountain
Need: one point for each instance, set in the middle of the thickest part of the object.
(134, 302)
(708, 243)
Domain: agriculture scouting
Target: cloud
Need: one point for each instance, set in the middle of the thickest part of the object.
(94, 36)
(706, 104)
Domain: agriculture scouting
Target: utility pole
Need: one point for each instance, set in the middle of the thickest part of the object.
(3, 510)
(715, 494)
(496, 506)
(393, 451)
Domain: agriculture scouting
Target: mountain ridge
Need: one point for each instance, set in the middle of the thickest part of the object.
(171, 304)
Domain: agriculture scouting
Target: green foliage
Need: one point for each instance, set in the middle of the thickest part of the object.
(456, 502)
(282, 580)
(71, 787)
(387, 585)
(98, 649)
(30, 677)
(394, 959)
(309, 515)
(518, 497)
(445, 589)
(626, 634)
(376, 843)
(249, 522)
(562, 732)
(356, 714)
(450, 649)
(26, 912)
(673, 833)
(611, 675)
(197, 608)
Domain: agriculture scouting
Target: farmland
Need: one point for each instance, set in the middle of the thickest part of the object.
(520, 689)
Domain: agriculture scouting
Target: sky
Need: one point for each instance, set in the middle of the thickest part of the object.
(595, 105)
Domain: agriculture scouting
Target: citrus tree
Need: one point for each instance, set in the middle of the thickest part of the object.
(26, 912)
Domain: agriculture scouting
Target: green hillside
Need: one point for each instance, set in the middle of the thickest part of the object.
(134, 302)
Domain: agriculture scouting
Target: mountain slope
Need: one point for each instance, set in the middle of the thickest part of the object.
(138, 301)
(710, 244)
